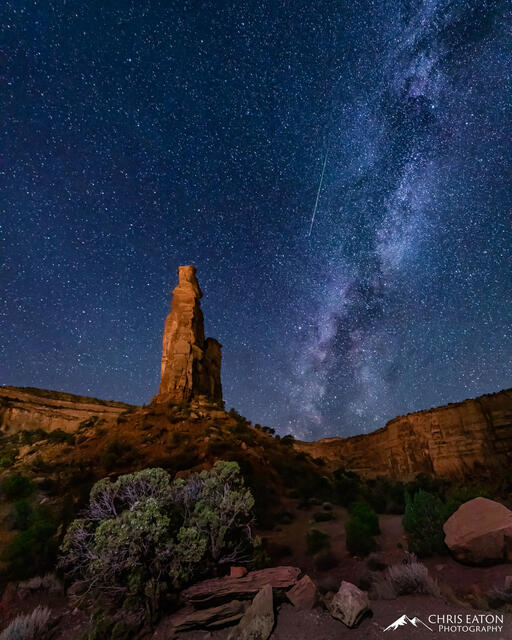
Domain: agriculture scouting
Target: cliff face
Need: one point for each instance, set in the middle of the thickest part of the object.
(454, 440)
(24, 408)
(190, 364)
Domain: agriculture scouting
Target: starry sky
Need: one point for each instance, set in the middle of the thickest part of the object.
(139, 135)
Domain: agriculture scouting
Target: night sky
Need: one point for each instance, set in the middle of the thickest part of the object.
(138, 136)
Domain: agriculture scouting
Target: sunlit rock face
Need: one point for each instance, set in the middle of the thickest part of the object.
(455, 440)
(190, 364)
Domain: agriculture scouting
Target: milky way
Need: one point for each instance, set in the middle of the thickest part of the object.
(140, 136)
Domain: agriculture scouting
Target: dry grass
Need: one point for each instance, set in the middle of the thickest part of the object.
(33, 626)
(406, 578)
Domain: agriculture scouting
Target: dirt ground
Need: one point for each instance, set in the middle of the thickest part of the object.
(318, 624)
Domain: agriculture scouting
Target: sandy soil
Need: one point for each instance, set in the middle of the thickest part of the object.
(318, 624)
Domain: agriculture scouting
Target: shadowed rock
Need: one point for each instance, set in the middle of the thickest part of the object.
(258, 621)
(349, 605)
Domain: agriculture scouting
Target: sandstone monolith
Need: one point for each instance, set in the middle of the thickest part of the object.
(190, 364)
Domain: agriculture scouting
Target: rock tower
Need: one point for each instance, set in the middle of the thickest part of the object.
(190, 364)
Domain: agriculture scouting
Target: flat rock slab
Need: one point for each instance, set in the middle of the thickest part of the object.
(258, 621)
(190, 618)
(220, 589)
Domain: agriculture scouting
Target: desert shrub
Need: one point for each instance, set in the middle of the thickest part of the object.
(287, 440)
(325, 560)
(219, 447)
(410, 577)
(22, 514)
(143, 536)
(117, 453)
(323, 516)
(384, 495)
(60, 436)
(16, 486)
(359, 539)
(347, 486)
(317, 541)
(362, 524)
(428, 483)
(364, 512)
(33, 626)
(33, 549)
(423, 521)
(327, 506)
(457, 495)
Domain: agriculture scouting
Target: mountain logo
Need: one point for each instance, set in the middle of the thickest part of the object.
(405, 620)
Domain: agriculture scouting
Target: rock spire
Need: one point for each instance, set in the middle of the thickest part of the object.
(190, 364)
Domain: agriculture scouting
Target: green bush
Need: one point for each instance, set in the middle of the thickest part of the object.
(17, 486)
(359, 538)
(33, 550)
(364, 512)
(22, 514)
(143, 536)
(347, 485)
(317, 541)
(423, 520)
(60, 436)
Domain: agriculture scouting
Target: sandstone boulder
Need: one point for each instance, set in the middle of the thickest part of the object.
(258, 621)
(480, 532)
(349, 605)
(304, 595)
(237, 572)
(190, 618)
(222, 589)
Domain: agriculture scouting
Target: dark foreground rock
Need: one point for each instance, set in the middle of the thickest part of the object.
(258, 621)
(349, 604)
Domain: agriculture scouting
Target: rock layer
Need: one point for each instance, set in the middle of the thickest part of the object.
(456, 440)
(190, 364)
(27, 409)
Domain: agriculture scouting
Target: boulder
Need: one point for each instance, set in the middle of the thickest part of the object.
(258, 621)
(228, 588)
(237, 572)
(190, 618)
(304, 595)
(349, 605)
(480, 532)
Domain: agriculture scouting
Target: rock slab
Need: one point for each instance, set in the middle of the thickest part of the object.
(349, 604)
(190, 618)
(258, 621)
(221, 589)
(480, 532)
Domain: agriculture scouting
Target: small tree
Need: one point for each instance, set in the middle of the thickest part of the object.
(143, 535)
(423, 520)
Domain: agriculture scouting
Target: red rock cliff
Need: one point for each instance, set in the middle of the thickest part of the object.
(190, 364)
(458, 439)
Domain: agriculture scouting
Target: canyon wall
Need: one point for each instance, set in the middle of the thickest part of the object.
(458, 439)
(27, 409)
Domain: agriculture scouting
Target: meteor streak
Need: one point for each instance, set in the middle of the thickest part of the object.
(318, 193)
